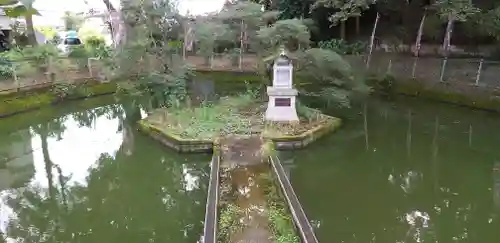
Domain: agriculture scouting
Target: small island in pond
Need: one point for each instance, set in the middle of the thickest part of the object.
(241, 115)
(281, 119)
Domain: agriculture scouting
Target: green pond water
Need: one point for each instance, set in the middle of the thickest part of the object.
(80, 172)
(432, 176)
(85, 175)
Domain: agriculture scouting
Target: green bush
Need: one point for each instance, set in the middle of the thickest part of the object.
(80, 55)
(96, 47)
(101, 52)
(27, 60)
(94, 41)
(6, 70)
(343, 47)
(330, 77)
(41, 54)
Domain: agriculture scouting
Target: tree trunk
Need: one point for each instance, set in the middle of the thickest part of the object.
(116, 24)
(30, 30)
(132, 115)
(109, 6)
(447, 36)
(419, 36)
(358, 27)
(47, 161)
(342, 30)
(372, 39)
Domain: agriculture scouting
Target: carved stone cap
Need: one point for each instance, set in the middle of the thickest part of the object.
(274, 91)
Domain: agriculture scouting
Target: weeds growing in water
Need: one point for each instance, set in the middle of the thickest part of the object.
(280, 221)
(229, 222)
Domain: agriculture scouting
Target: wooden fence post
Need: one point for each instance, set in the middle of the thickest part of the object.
(16, 80)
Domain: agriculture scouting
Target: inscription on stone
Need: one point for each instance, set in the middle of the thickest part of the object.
(282, 102)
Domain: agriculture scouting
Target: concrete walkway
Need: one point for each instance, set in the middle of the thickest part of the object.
(244, 156)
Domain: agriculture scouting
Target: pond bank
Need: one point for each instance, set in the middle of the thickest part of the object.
(462, 94)
(24, 101)
(468, 95)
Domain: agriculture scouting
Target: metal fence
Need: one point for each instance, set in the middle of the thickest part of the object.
(431, 70)
(471, 72)
(29, 74)
(224, 62)
(476, 73)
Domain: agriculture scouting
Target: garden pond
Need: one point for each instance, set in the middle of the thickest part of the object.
(87, 175)
(400, 171)
(423, 172)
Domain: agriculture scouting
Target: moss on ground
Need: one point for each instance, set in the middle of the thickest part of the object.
(15, 103)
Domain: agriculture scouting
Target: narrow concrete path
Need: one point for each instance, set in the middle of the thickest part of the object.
(243, 155)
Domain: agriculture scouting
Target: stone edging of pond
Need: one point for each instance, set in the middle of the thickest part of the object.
(467, 95)
(175, 142)
(16, 103)
(307, 137)
(206, 146)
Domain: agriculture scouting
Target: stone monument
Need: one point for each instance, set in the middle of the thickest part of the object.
(281, 104)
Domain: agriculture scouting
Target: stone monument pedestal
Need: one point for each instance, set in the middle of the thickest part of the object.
(281, 105)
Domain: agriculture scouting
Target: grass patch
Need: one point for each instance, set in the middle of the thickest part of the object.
(207, 121)
(240, 115)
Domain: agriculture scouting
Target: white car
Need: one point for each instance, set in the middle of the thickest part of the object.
(67, 43)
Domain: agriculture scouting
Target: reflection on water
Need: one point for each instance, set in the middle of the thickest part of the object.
(88, 176)
(428, 176)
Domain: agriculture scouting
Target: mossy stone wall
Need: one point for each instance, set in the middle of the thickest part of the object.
(463, 95)
(15, 103)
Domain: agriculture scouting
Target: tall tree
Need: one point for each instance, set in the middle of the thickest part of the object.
(453, 11)
(346, 9)
(22, 8)
(290, 9)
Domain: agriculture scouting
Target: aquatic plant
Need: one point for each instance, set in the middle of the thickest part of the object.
(267, 149)
(62, 90)
(280, 221)
(282, 225)
(229, 223)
